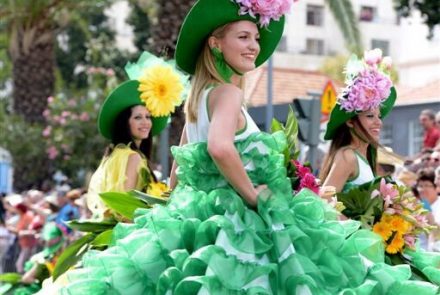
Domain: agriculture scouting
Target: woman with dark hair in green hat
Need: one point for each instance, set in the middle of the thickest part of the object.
(130, 116)
(221, 232)
(355, 122)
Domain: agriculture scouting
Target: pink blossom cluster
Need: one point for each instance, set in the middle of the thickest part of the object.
(369, 90)
(405, 204)
(307, 179)
(266, 10)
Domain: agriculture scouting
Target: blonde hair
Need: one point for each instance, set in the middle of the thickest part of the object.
(205, 74)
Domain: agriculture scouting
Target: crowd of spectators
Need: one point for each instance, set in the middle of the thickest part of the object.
(23, 217)
(421, 173)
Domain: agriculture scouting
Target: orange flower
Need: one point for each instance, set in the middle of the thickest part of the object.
(383, 229)
(399, 224)
(396, 244)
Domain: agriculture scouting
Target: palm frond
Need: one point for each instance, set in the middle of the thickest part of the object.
(346, 19)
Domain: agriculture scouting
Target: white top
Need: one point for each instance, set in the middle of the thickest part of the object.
(435, 208)
(198, 131)
(365, 173)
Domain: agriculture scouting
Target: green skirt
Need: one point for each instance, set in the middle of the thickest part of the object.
(206, 240)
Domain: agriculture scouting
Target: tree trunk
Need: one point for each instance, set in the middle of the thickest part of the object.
(164, 37)
(33, 74)
(33, 60)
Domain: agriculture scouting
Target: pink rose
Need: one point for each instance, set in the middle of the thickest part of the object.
(373, 57)
(46, 132)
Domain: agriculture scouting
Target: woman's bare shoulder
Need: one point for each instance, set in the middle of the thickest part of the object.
(226, 90)
(346, 155)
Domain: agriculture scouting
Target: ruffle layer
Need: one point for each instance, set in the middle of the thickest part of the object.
(208, 241)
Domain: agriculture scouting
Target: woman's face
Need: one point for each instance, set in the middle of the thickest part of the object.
(240, 45)
(372, 123)
(427, 189)
(140, 123)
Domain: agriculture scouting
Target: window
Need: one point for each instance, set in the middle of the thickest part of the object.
(415, 137)
(382, 44)
(367, 14)
(282, 46)
(386, 135)
(315, 15)
(314, 47)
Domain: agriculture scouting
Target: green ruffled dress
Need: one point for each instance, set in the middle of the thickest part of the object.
(208, 241)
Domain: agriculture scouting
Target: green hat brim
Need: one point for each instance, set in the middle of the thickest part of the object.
(206, 16)
(124, 96)
(338, 117)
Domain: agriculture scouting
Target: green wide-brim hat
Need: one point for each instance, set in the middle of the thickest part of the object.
(206, 16)
(124, 96)
(338, 117)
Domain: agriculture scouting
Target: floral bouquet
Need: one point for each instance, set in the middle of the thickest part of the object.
(403, 217)
(300, 175)
(395, 214)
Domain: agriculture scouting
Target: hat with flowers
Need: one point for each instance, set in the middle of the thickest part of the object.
(154, 83)
(207, 15)
(368, 86)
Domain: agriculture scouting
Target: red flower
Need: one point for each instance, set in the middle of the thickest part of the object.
(309, 181)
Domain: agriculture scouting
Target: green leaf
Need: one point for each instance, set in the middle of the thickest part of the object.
(10, 277)
(123, 203)
(276, 126)
(359, 205)
(72, 254)
(103, 239)
(149, 199)
(291, 132)
(91, 226)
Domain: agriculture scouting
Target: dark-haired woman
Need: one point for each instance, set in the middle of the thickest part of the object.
(130, 116)
(355, 124)
(124, 166)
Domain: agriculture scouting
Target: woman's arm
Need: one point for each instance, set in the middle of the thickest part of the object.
(344, 166)
(131, 172)
(225, 104)
(173, 178)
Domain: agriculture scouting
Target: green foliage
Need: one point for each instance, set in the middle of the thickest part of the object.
(27, 147)
(360, 206)
(291, 133)
(343, 13)
(91, 225)
(10, 277)
(85, 43)
(72, 254)
(149, 199)
(123, 203)
(140, 22)
(72, 140)
(429, 9)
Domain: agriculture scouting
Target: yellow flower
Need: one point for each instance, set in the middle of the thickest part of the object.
(161, 90)
(396, 244)
(383, 229)
(157, 188)
(399, 224)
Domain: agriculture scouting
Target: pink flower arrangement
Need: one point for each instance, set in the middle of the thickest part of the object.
(402, 213)
(306, 178)
(370, 86)
(267, 10)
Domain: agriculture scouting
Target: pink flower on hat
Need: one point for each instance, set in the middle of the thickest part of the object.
(267, 10)
(370, 86)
